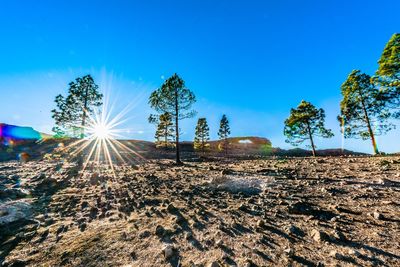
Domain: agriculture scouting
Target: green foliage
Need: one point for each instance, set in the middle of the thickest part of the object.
(361, 109)
(72, 111)
(202, 135)
(387, 77)
(174, 98)
(305, 122)
(58, 132)
(224, 132)
(389, 63)
(165, 131)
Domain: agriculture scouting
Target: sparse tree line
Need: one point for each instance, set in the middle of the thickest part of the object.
(366, 109)
(173, 101)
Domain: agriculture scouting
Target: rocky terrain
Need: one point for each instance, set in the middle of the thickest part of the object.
(331, 211)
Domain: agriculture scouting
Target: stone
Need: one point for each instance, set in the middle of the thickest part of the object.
(144, 234)
(179, 219)
(227, 172)
(289, 252)
(94, 179)
(339, 236)
(377, 216)
(188, 235)
(82, 227)
(294, 230)
(49, 221)
(24, 157)
(354, 253)
(300, 208)
(214, 264)
(319, 236)
(93, 212)
(84, 205)
(60, 229)
(219, 243)
(168, 251)
(159, 231)
(171, 208)
(14, 211)
(336, 255)
(15, 263)
(333, 253)
(260, 223)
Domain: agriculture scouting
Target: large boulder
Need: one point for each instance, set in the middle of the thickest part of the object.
(14, 211)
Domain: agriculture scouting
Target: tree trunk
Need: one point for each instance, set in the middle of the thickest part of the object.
(166, 138)
(371, 133)
(203, 146)
(178, 156)
(226, 146)
(311, 140)
(84, 113)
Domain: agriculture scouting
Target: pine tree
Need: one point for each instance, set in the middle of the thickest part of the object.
(174, 98)
(387, 77)
(72, 111)
(224, 132)
(165, 132)
(305, 122)
(202, 135)
(362, 110)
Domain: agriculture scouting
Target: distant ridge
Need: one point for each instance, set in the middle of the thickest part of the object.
(16, 139)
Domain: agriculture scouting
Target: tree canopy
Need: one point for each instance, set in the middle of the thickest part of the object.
(224, 132)
(72, 111)
(304, 123)
(174, 98)
(362, 112)
(202, 135)
(387, 77)
(165, 131)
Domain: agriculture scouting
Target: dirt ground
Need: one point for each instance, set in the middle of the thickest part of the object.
(275, 212)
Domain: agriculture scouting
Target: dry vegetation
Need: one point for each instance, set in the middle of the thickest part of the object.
(312, 212)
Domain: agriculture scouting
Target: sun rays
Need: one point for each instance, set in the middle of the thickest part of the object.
(102, 142)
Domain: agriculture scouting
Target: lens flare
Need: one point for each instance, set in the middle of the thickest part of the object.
(101, 131)
(102, 144)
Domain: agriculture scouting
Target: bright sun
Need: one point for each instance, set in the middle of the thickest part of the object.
(101, 131)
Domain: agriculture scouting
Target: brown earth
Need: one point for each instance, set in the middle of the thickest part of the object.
(328, 211)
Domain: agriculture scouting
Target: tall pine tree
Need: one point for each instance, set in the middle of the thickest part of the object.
(304, 123)
(165, 131)
(174, 98)
(224, 132)
(362, 112)
(202, 135)
(73, 110)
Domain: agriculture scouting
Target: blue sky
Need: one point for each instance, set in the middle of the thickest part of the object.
(252, 60)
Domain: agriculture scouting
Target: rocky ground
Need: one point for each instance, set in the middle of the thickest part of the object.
(274, 212)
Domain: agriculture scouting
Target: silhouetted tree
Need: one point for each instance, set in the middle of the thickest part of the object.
(202, 135)
(72, 111)
(361, 110)
(305, 122)
(165, 131)
(174, 98)
(387, 77)
(224, 132)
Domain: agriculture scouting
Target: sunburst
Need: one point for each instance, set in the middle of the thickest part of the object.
(102, 142)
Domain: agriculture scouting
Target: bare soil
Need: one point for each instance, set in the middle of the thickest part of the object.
(333, 211)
